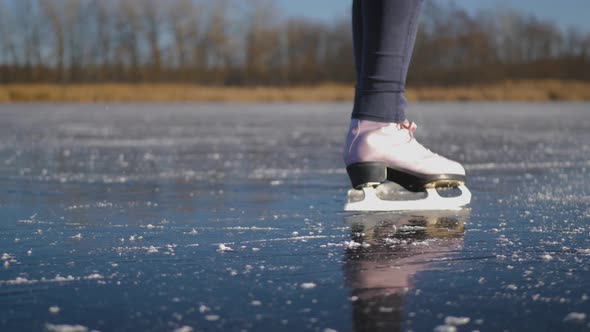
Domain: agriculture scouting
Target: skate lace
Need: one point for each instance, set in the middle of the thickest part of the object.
(410, 127)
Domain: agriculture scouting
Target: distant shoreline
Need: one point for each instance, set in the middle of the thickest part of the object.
(533, 90)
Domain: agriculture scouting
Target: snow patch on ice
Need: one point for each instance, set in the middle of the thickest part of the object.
(184, 329)
(33, 220)
(352, 244)
(17, 281)
(547, 257)
(575, 317)
(57, 278)
(150, 226)
(308, 285)
(223, 248)
(135, 237)
(452, 320)
(445, 328)
(65, 328)
(250, 228)
(8, 259)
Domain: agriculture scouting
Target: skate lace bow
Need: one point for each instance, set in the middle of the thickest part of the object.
(410, 127)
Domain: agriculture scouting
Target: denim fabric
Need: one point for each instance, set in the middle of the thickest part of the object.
(384, 32)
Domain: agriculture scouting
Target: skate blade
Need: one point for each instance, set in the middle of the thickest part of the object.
(443, 184)
(432, 201)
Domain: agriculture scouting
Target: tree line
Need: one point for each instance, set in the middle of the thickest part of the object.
(235, 42)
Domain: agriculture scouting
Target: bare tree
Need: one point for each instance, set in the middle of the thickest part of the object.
(184, 28)
(337, 62)
(103, 21)
(27, 39)
(262, 43)
(303, 49)
(150, 14)
(128, 43)
(7, 42)
(53, 13)
(249, 42)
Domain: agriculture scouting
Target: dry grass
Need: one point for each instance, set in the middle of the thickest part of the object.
(170, 93)
(542, 90)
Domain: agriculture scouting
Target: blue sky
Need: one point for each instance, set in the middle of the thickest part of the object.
(563, 12)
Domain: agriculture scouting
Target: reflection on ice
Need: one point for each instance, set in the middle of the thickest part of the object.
(394, 247)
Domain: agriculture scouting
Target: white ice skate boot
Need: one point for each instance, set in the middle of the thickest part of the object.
(376, 152)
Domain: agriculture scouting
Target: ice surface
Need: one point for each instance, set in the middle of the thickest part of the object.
(123, 217)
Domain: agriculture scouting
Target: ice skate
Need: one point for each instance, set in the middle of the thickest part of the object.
(376, 153)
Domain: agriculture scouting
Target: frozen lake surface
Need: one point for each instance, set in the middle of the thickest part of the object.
(229, 217)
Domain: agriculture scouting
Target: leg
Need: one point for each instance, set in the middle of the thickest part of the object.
(357, 39)
(385, 35)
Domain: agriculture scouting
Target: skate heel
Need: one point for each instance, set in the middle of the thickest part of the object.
(370, 173)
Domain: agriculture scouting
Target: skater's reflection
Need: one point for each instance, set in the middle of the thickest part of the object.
(385, 253)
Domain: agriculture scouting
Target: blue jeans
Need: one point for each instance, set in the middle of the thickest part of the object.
(384, 32)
